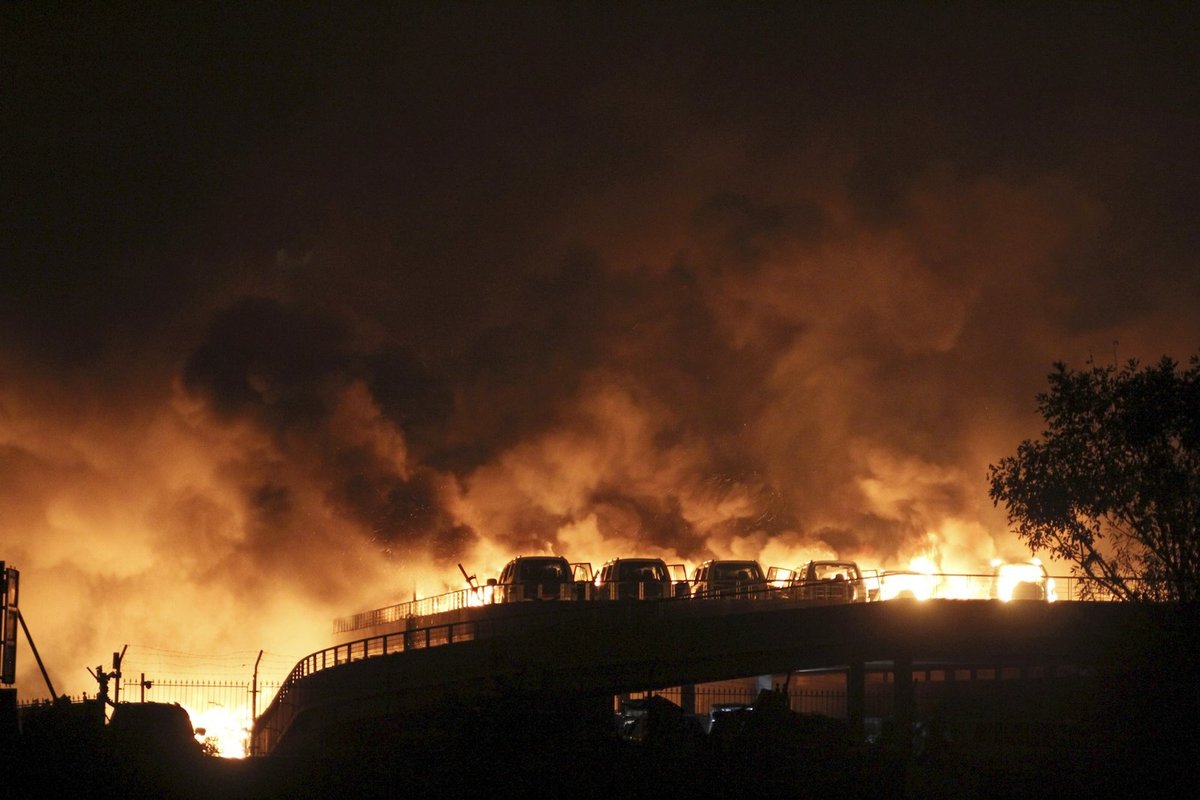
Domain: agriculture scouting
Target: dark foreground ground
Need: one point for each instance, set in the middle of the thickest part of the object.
(1132, 730)
(767, 754)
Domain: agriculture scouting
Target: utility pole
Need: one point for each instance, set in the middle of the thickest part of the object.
(254, 690)
(36, 656)
(117, 659)
(102, 678)
(102, 699)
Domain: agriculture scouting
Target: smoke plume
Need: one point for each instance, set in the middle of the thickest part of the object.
(303, 310)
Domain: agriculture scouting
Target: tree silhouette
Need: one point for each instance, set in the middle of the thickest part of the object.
(1113, 486)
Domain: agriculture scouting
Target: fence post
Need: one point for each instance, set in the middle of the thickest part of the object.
(687, 698)
(856, 697)
(904, 702)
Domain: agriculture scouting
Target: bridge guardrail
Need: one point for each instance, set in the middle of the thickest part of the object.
(282, 711)
(941, 586)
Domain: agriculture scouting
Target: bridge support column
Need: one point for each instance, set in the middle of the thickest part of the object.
(903, 698)
(687, 698)
(856, 697)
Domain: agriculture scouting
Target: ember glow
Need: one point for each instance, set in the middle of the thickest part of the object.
(299, 314)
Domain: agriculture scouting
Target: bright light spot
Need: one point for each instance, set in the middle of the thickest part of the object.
(481, 595)
(227, 729)
(923, 564)
(961, 587)
(780, 577)
(1023, 580)
(911, 585)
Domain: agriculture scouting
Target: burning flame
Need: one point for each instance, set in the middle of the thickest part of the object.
(917, 583)
(226, 729)
(1024, 580)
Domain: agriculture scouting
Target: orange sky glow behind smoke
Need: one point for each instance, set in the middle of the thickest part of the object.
(402, 294)
(133, 526)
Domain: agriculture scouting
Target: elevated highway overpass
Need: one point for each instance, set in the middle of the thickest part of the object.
(597, 650)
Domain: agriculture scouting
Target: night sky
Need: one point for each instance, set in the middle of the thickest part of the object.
(303, 305)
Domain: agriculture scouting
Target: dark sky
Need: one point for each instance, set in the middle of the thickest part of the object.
(302, 305)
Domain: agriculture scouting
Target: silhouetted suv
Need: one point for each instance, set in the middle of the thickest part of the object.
(637, 579)
(729, 579)
(535, 578)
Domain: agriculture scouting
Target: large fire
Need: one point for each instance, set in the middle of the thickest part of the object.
(347, 331)
(297, 458)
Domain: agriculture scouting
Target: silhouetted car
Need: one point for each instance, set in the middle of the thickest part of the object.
(729, 579)
(535, 578)
(726, 715)
(656, 718)
(635, 578)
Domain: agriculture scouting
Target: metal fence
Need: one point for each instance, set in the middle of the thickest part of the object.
(222, 711)
(38, 702)
(199, 695)
(928, 687)
(827, 702)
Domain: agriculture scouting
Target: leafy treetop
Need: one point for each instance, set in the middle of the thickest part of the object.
(1113, 486)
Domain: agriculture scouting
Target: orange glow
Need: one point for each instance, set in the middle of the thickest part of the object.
(171, 526)
(227, 729)
(613, 326)
(1023, 579)
(481, 595)
(912, 585)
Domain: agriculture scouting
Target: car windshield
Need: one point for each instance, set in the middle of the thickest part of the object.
(641, 571)
(833, 571)
(737, 571)
(544, 571)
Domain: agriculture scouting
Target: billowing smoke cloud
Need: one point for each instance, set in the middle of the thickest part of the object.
(407, 294)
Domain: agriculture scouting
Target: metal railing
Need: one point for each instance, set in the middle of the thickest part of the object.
(423, 607)
(945, 586)
(282, 710)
